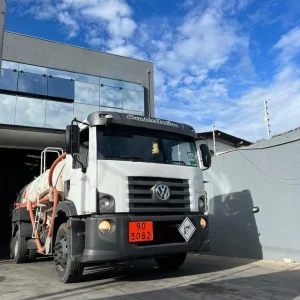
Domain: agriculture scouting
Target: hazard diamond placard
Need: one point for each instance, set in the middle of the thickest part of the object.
(187, 229)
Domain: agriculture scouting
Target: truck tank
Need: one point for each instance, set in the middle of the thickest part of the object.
(41, 183)
(43, 194)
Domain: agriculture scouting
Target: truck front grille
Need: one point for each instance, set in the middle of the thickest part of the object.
(141, 195)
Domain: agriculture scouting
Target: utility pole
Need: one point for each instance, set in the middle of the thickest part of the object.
(267, 118)
(214, 138)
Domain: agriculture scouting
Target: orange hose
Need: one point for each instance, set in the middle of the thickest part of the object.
(31, 205)
(59, 159)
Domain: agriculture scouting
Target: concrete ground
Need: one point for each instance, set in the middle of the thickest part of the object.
(202, 277)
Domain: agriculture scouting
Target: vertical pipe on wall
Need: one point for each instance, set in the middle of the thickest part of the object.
(267, 118)
(214, 139)
(149, 86)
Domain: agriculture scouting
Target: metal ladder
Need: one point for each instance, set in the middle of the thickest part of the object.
(37, 219)
(43, 168)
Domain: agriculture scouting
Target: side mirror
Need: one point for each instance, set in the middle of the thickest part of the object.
(72, 139)
(255, 209)
(206, 158)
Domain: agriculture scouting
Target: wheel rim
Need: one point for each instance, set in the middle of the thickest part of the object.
(16, 247)
(61, 253)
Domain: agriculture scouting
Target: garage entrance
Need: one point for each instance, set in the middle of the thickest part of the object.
(17, 169)
(20, 151)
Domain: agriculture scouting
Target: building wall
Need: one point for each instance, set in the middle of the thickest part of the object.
(45, 85)
(39, 52)
(221, 145)
(265, 175)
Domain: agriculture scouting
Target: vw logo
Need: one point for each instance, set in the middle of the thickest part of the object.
(162, 192)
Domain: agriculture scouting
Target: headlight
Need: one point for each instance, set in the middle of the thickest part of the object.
(105, 227)
(203, 223)
(201, 203)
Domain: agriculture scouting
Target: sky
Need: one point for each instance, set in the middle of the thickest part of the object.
(215, 61)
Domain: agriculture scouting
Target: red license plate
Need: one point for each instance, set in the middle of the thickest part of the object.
(140, 231)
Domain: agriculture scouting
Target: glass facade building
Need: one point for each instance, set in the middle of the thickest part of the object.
(47, 98)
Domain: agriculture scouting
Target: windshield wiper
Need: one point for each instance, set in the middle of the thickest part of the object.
(132, 158)
(175, 162)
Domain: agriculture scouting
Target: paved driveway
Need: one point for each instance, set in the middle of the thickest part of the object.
(202, 277)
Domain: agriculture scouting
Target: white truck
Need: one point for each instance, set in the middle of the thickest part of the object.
(128, 187)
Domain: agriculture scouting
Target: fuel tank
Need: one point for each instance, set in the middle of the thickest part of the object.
(40, 184)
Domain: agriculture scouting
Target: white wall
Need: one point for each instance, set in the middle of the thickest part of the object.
(267, 175)
(221, 146)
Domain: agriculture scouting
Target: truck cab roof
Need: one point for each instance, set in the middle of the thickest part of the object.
(106, 117)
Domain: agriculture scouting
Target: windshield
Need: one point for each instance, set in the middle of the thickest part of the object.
(150, 146)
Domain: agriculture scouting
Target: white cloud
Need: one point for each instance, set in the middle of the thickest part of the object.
(244, 115)
(114, 16)
(121, 27)
(289, 45)
(69, 22)
(103, 9)
(128, 51)
(204, 38)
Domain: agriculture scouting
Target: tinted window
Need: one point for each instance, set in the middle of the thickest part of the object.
(61, 74)
(87, 93)
(112, 109)
(129, 86)
(32, 69)
(133, 100)
(32, 83)
(8, 80)
(133, 86)
(139, 88)
(10, 65)
(81, 111)
(87, 78)
(60, 88)
(58, 114)
(133, 112)
(7, 109)
(30, 112)
(111, 82)
(111, 97)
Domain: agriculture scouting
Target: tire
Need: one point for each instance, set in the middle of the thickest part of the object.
(12, 248)
(67, 270)
(20, 249)
(171, 262)
(32, 255)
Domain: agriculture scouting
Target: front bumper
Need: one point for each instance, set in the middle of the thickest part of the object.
(89, 245)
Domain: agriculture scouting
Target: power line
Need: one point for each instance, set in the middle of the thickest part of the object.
(295, 100)
(270, 177)
(283, 94)
(283, 113)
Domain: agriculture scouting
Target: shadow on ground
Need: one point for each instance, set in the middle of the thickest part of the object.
(281, 285)
(118, 276)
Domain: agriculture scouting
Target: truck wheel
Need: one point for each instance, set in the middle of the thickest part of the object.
(32, 255)
(171, 262)
(67, 269)
(20, 249)
(12, 248)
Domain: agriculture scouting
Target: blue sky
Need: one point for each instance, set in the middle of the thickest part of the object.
(215, 61)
